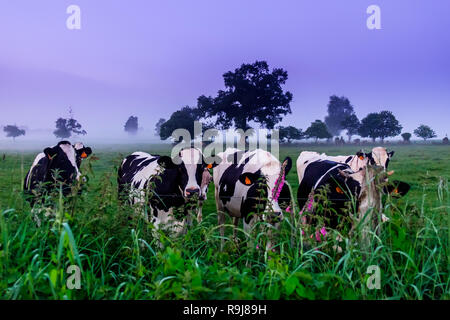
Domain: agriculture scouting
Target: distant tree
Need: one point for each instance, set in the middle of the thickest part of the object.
(181, 119)
(13, 131)
(406, 137)
(252, 93)
(132, 125)
(380, 125)
(290, 133)
(158, 126)
(445, 140)
(425, 132)
(339, 109)
(66, 127)
(318, 130)
(351, 124)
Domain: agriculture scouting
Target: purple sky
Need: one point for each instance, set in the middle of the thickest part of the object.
(149, 58)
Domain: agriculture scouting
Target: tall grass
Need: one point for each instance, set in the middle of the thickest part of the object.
(120, 259)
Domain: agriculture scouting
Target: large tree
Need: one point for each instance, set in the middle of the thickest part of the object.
(339, 108)
(290, 133)
(318, 130)
(132, 125)
(425, 132)
(380, 125)
(252, 93)
(13, 131)
(351, 124)
(181, 119)
(158, 126)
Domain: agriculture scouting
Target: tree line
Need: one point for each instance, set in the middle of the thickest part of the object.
(254, 93)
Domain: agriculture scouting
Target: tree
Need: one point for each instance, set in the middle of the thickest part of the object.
(339, 108)
(66, 127)
(158, 126)
(380, 125)
(425, 132)
(252, 93)
(290, 133)
(181, 119)
(351, 124)
(406, 137)
(132, 125)
(13, 131)
(318, 130)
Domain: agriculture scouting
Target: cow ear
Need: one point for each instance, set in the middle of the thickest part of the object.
(369, 156)
(288, 162)
(391, 154)
(166, 162)
(361, 155)
(248, 178)
(50, 153)
(398, 188)
(86, 152)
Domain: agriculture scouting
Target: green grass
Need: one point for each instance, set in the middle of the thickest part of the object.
(120, 259)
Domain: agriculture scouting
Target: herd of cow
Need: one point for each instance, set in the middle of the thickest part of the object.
(246, 183)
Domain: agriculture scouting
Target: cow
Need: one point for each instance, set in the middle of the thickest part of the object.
(171, 183)
(346, 190)
(247, 183)
(55, 166)
(379, 156)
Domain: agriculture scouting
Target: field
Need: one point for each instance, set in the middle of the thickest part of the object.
(119, 258)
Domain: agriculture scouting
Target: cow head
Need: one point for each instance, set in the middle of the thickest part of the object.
(192, 170)
(270, 179)
(62, 158)
(81, 152)
(380, 157)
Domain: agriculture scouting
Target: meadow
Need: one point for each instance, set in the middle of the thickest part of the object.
(119, 258)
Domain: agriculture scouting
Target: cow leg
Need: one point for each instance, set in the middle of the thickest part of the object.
(221, 221)
(235, 223)
(248, 227)
(199, 212)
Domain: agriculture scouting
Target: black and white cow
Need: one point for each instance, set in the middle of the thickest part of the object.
(58, 165)
(343, 184)
(171, 184)
(247, 183)
(379, 156)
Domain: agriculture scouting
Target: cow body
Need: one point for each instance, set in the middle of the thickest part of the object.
(55, 166)
(163, 185)
(247, 183)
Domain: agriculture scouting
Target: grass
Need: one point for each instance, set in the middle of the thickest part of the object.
(119, 258)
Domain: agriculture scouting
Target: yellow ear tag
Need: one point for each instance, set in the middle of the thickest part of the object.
(339, 190)
(84, 155)
(361, 158)
(209, 166)
(396, 191)
(247, 181)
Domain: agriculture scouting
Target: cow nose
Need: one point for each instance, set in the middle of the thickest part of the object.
(190, 192)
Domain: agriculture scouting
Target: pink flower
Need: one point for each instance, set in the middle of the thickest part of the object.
(310, 205)
(323, 231)
(303, 233)
(288, 209)
(257, 247)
